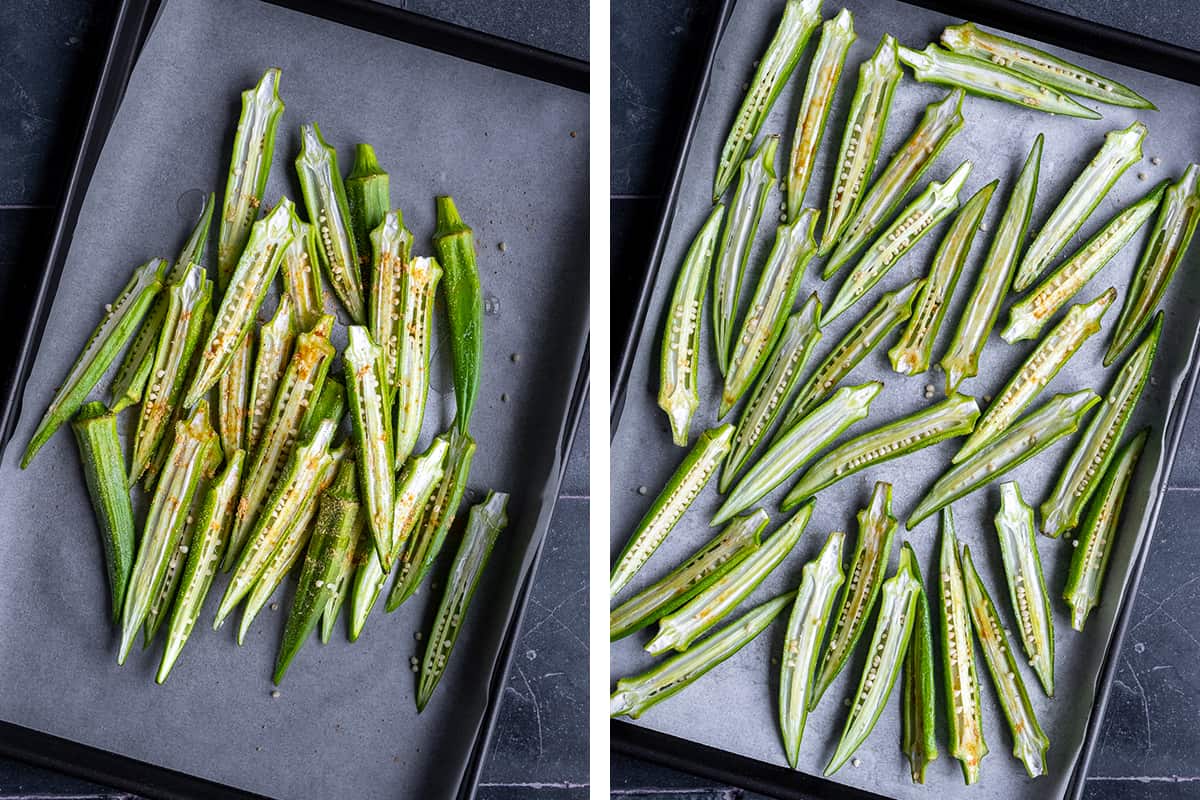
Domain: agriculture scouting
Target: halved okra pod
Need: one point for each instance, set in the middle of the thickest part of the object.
(635, 694)
(837, 34)
(1026, 586)
(690, 621)
(164, 598)
(819, 581)
(987, 79)
(1094, 545)
(755, 178)
(411, 382)
(301, 270)
(1027, 317)
(454, 243)
(1167, 242)
(687, 482)
(1021, 441)
(890, 639)
(1039, 65)
(800, 19)
(1121, 150)
(918, 698)
(233, 397)
(330, 404)
(1029, 743)
(942, 120)
(912, 352)
(961, 359)
(798, 444)
(773, 297)
(958, 658)
(955, 416)
(121, 319)
(876, 528)
(391, 248)
(372, 435)
(1039, 368)
(270, 363)
(1095, 449)
(699, 571)
(362, 550)
(861, 139)
(367, 198)
(938, 201)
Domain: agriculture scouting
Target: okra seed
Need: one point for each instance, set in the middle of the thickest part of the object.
(854, 762)
(1155, 160)
(1141, 176)
(274, 693)
(274, 606)
(642, 490)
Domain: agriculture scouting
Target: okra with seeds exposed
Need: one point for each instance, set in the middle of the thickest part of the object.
(1026, 586)
(391, 248)
(164, 598)
(918, 703)
(963, 714)
(270, 363)
(233, 397)
(372, 435)
(331, 404)
(367, 198)
(301, 270)
(410, 385)
(454, 243)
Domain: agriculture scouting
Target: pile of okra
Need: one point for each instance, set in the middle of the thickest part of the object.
(280, 482)
(791, 415)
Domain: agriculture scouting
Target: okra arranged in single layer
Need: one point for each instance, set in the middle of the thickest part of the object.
(329, 210)
(1026, 586)
(800, 19)
(1026, 438)
(1039, 65)
(635, 694)
(755, 178)
(938, 201)
(861, 139)
(918, 698)
(1094, 451)
(454, 243)
(912, 352)
(890, 639)
(958, 658)
(391, 249)
(233, 397)
(942, 120)
(954, 416)
(687, 482)
(1168, 241)
(876, 529)
(121, 320)
(1029, 743)
(367, 198)
(801, 333)
(798, 444)
(961, 359)
(484, 524)
(837, 34)
(301, 270)
(988, 79)
(1089, 562)
(1039, 368)
(270, 362)
(819, 581)
(690, 621)
(699, 571)
(1120, 151)
(679, 364)
(411, 382)
(1027, 317)
(372, 435)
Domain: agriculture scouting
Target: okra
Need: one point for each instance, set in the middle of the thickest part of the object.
(918, 704)
(233, 397)
(800, 19)
(698, 572)
(331, 404)
(1039, 368)
(942, 120)
(1121, 150)
(1094, 451)
(411, 381)
(890, 639)
(837, 34)
(690, 621)
(679, 364)
(391, 247)
(961, 359)
(1089, 562)
(687, 482)
(1040, 66)
(798, 444)
(367, 198)
(1165, 246)
(955, 416)
(454, 243)
(274, 350)
(958, 659)
(876, 529)
(938, 201)
(1029, 743)
(302, 272)
(912, 353)
(773, 297)
(988, 79)
(1026, 586)
(819, 581)
(363, 549)
(160, 606)
(120, 321)
(1026, 438)
(372, 435)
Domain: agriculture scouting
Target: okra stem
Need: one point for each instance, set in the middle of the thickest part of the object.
(958, 659)
(270, 363)
(1026, 586)
(372, 435)
(411, 381)
(918, 705)
(454, 243)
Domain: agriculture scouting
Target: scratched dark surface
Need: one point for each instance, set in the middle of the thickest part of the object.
(48, 56)
(1150, 745)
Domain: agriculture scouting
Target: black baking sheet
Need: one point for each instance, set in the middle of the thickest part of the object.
(997, 138)
(513, 152)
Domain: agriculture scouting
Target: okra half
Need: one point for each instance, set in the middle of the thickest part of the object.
(1026, 586)
(372, 435)
(411, 381)
(454, 243)
(918, 698)
(391, 249)
(963, 714)
(270, 363)
(233, 397)
(301, 270)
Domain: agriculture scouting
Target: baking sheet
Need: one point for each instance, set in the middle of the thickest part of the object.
(996, 137)
(513, 152)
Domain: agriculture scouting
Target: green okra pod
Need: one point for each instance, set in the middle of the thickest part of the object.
(164, 598)
(391, 249)
(331, 404)
(918, 704)
(367, 198)
(270, 363)
(411, 381)
(1026, 586)
(372, 436)
(961, 684)
(454, 243)
(301, 272)
(233, 397)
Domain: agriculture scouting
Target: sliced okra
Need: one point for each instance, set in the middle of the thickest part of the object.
(1026, 586)
(233, 397)
(362, 359)
(331, 404)
(164, 598)
(391, 248)
(958, 658)
(411, 381)
(367, 198)
(270, 362)
(918, 703)
(301, 272)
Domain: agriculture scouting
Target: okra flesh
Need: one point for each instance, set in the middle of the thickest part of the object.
(411, 380)
(270, 363)
(331, 404)
(164, 598)
(372, 435)
(233, 397)
(391, 248)
(367, 196)
(301, 270)
(454, 242)
(913, 350)
(1026, 586)
(681, 489)
(960, 682)
(918, 704)
(1120, 151)
(694, 618)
